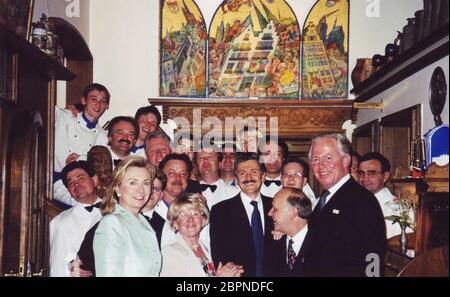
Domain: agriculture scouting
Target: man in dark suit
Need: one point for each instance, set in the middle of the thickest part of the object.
(240, 228)
(347, 226)
(290, 212)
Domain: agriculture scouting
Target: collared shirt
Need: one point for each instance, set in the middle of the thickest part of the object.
(162, 208)
(149, 213)
(337, 186)
(67, 231)
(73, 136)
(249, 208)
(139, 151)
(273, 189)
(223, 192)
(115, 157)
(298, 241)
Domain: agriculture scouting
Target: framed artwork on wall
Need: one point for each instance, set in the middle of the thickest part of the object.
(325, 51)
(16, 15)
(254, 50)
(183, 58)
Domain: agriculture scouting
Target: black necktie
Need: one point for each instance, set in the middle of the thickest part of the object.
(116, 162)
(91, 207)
(323, 199)
(204, 187)
(269, 182)
(258, 238)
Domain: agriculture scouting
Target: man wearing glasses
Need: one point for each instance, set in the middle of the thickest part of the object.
(294, 174)
(374, 173)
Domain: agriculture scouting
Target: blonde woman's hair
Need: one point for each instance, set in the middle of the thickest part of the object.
(117, 177)
(188, 202)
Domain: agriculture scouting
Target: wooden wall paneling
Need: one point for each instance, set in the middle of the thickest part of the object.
(396, 146)
(78, 57)
(366, 138)
(27, 126)
(84, 77)
(296, 118)
(397, 132)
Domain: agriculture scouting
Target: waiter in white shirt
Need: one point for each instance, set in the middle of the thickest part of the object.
(273, 154)
(76, 134)
(213, 188)
(295, 174)
(68, 229)
(374, 173)
(226, 166)
(122, 135)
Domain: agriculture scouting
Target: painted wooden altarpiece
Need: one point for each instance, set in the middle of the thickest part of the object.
(182, 49)
(256, 50)
(325, 51)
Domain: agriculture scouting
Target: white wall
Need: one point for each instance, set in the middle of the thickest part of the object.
(123, 37)
(79, 16)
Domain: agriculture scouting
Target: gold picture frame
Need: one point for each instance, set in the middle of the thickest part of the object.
(16, 15)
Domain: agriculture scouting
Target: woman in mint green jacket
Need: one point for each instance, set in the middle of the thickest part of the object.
(124, 243)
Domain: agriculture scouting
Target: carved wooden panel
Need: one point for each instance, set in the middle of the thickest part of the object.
(305, 118)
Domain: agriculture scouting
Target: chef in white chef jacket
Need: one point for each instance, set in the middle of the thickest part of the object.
(74, 136)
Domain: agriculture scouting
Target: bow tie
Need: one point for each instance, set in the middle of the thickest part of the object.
(204, 187)
(269, 182)
(91, 207)
(116, 162)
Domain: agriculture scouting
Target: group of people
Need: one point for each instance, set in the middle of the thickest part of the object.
(168, 210)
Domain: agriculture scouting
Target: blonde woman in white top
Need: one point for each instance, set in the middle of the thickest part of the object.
(188, 256)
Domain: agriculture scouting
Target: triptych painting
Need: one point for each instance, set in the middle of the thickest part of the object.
(254, 49)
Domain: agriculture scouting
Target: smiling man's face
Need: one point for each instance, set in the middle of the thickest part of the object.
(250, 177)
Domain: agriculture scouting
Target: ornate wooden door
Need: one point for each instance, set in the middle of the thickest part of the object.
(25, 228)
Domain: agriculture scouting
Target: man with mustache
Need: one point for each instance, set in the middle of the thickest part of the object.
(177, 169)
(122, 135)
(240, 228)
(212, 186)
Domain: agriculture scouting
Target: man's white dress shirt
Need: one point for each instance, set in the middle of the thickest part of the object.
(73, 136)
(222, 192)
(67, 231)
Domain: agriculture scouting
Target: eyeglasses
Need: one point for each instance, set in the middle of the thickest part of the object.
(369, 173)
(185, 215)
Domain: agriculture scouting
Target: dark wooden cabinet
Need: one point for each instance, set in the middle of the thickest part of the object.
(27, 102)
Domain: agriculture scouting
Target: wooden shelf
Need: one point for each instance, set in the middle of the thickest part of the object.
(296, 118)
(40, 61)
(422, 54)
